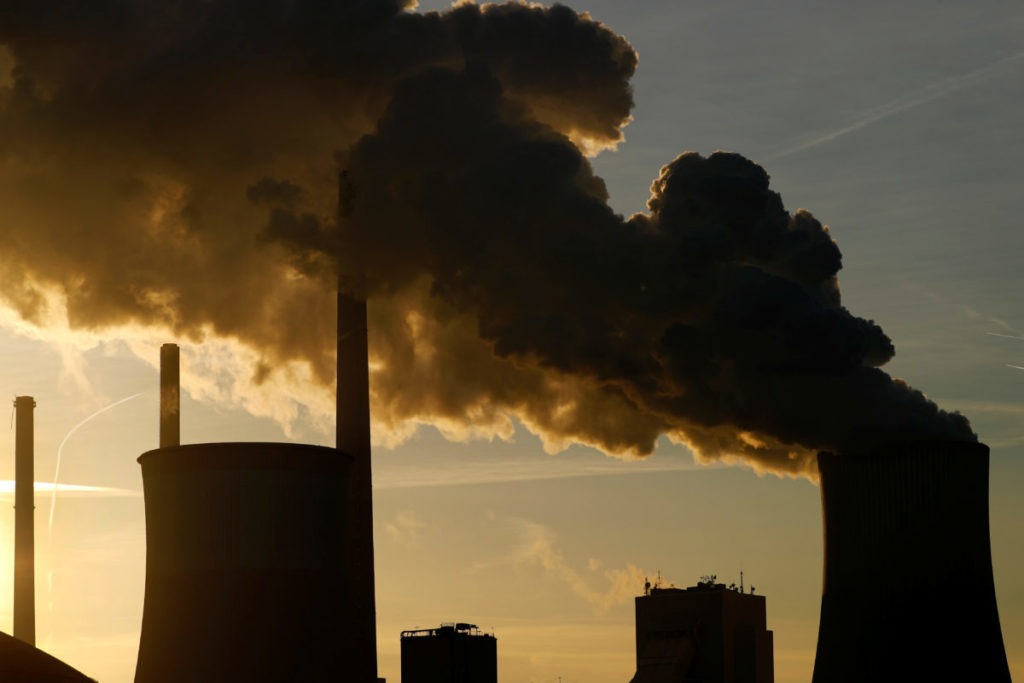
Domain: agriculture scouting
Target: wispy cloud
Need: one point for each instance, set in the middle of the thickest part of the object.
(486, 470)
(405, 528)
(913, 99)
(600, 587)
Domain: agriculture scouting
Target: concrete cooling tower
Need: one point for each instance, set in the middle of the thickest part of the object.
(245, 564)
(908, 591)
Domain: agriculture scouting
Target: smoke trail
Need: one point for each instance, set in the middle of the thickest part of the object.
(194, 145)
(60, 451)
(919, 97)
(1004, 336)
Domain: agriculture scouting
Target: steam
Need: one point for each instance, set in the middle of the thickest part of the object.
(172, 165)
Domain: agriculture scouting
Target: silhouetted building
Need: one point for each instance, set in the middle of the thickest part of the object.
(708, 633)
(23, 663)
(246, 573)
(24, 521)
(908, 592)
(451, 653)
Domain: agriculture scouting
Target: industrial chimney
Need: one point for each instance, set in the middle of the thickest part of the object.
(246, 568)
(353, 438)
(24, 522)
(170, 396)
(908, 591)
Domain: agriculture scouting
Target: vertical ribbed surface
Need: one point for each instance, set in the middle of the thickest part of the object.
(908, 592)
(245, 565)
(24, 522)
(170, 396)
(353, 438)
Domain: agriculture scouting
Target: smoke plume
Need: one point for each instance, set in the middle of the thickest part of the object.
(173, 165)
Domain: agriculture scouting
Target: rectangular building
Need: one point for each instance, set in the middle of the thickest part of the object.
(450, 653)
(710, 633)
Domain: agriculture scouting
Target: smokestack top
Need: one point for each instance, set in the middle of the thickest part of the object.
(170, 396)
(24, 402)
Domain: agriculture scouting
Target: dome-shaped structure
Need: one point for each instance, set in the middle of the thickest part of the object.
(22, 663)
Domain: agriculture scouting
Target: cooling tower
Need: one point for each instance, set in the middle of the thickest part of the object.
(245, 564)
(908, 592)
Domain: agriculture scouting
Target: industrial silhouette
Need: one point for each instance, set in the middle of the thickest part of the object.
(710, 633)
(249, 574)
(259, 556)
(353, 438)
(24, 521)
(908, 592)
(245, 564)
(20, 660)
(22, 663)
(260, 564)
(450, 653)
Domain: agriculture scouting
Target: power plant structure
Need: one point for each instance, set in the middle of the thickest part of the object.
(353, 438)
(245, 563)
(711, 633)
(23, 663)
(259, 556)
(248, 565)
(24, 521)
(20, 660)
(450, 653)
(908, 592)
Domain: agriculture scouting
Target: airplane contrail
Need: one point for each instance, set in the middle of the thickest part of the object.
(56, 472)
(1006, 336)
(1015, 367)
(916, 98)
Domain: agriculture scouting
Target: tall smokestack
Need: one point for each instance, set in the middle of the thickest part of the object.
(170, 396)
(353, 438)
(24, 529)
(908, 592)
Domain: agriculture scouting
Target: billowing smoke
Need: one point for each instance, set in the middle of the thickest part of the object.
(173, 164)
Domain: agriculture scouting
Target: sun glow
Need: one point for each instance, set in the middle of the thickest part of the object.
(7, 489)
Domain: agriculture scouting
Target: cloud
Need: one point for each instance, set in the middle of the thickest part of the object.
(538, 546)
(405, 528)
(172, 168)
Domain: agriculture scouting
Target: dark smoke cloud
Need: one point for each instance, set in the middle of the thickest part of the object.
(174, 163)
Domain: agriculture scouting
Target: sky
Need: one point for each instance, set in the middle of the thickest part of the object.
(897, 127)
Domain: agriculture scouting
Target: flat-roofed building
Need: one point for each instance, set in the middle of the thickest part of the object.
(450, 653)
(711, 633)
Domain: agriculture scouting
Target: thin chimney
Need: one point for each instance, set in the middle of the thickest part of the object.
(353, 438)
(24, 530)
(170, 396)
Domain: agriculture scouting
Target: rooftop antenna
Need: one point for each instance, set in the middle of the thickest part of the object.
(741, 581)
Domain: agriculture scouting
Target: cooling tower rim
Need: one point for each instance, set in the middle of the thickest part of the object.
(245, 455)
(908, 447)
